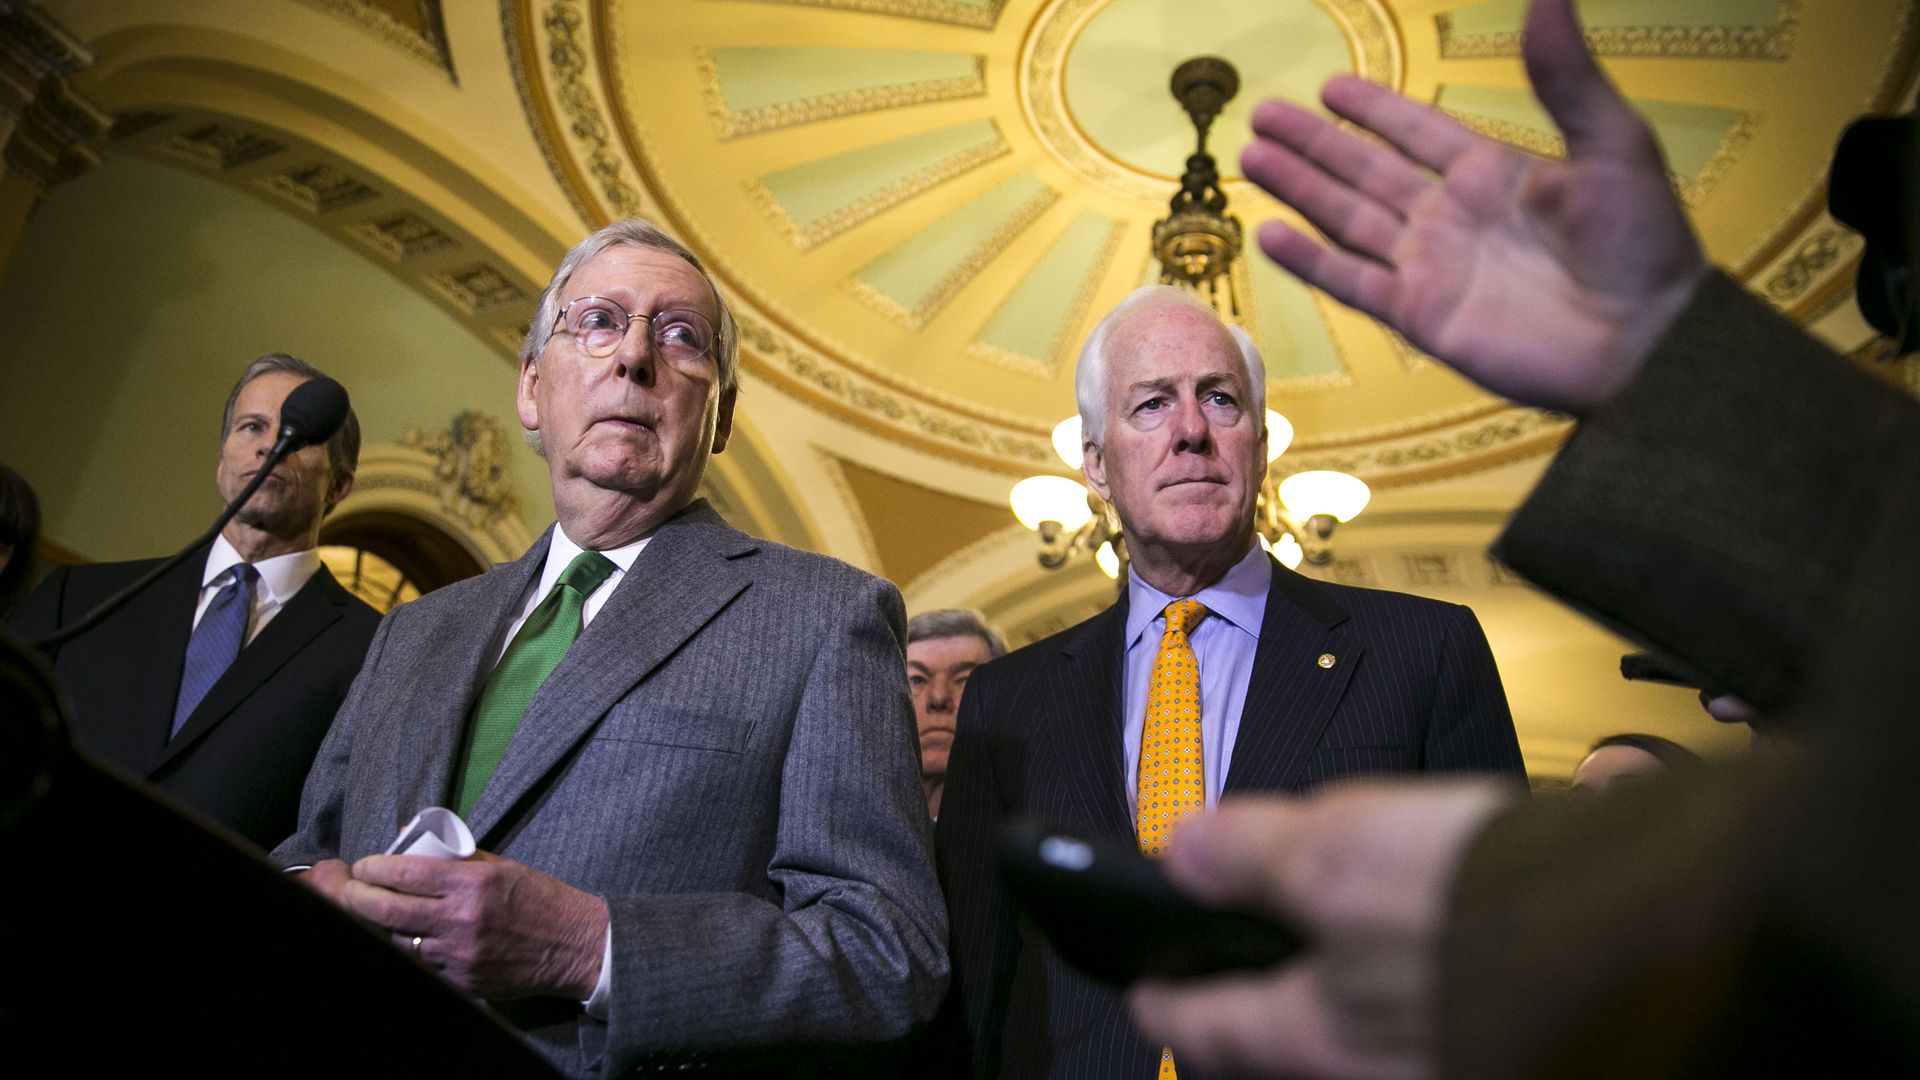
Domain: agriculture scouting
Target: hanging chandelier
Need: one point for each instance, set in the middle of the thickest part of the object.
(1197, 245)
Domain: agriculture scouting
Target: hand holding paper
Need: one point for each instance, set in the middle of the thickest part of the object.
(491, 926)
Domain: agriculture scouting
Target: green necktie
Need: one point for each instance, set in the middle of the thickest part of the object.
(536, 650)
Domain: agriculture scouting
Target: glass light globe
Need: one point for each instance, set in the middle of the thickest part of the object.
(1050, 498)
(1324, 491)
(1108, 560)
(1290, 553)
(1066, 441)
(1279, 434)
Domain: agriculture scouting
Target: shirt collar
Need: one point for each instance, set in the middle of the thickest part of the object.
(561, 551)
(1239, 597)
(283, 575)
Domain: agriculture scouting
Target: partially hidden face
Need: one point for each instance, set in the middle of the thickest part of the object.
(634, 421)
(937, 672)
(1184, 450)
(299, 490)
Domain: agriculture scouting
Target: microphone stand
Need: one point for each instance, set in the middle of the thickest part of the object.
(288, 441)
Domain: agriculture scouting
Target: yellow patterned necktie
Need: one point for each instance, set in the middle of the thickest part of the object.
(1171, 782)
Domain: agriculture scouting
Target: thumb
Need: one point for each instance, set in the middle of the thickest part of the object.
(1584, 104)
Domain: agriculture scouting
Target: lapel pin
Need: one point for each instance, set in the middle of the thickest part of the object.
(1326, 660)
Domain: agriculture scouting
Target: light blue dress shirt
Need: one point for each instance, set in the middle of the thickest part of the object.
(1223, 643)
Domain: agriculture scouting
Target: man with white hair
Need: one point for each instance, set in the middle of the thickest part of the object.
(1218, 671)
(686, 755)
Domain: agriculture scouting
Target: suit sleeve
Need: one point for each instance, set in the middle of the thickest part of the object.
(854, 950)
(1707, 512)
(985, 932)
(1747, 505)
(1469, 726)
(323, 797)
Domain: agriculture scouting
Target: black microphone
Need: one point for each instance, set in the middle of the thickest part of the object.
(313, 411)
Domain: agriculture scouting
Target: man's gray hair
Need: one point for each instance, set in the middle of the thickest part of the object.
(1090, 373)
(343, 450)
(635, 232)
(954, 622)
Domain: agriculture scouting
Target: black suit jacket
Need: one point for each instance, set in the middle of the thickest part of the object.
(242, 756)
(1412, 686)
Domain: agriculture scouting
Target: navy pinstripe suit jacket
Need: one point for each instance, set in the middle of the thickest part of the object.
(1413, 687)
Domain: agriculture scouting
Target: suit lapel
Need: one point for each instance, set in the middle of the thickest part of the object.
(1088, 702)
(686, 574)
(1290, 695)
(156, 658)
(319, 604)
(459, 658)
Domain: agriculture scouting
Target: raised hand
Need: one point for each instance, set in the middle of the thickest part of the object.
(1544, 281)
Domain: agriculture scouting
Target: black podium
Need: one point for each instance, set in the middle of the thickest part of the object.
(135, 936)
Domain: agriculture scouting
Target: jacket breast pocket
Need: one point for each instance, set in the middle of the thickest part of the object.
(1339, 762)
(675, 726)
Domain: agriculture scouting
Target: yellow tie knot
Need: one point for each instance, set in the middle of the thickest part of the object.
(1183, 615)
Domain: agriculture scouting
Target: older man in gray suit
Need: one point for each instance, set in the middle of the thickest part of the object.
(687, 755)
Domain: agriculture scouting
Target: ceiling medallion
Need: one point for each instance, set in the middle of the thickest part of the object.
(1372, 40)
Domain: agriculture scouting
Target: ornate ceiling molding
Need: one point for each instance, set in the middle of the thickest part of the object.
(415, 242)
(424, 36)
(897, 354)
(1772, 42)
(979, 16)
(1369, 30)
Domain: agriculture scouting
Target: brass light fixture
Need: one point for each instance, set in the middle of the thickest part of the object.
(1197, 244)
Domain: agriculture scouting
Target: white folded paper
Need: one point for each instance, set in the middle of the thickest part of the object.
(437, 833)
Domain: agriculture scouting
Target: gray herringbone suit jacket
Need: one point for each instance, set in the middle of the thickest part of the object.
(726, 755)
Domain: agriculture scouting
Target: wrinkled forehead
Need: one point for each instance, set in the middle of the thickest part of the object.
(630, 271)
(1171, 343)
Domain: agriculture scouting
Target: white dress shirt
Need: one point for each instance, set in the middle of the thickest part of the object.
(280, 578)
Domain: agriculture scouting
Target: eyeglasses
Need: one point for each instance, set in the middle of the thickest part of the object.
(599, 325)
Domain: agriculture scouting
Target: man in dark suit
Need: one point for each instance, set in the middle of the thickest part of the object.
(687, 755)
(1298, 682)
(218, 683)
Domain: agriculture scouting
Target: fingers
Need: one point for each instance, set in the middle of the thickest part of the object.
(1423, 133)
(399, 913)
(1273, 1024)
(1352, 220)
(1354, 281)
(414, 874)
(1591, 114)
(326, 877)
(1370, 168)
(1234, 856)
(404, 893)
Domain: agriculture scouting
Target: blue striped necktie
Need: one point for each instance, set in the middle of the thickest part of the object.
(216, 641)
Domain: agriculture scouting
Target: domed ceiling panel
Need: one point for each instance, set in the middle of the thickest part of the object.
(920, 206)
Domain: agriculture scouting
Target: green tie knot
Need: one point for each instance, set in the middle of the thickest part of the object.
(588, 571)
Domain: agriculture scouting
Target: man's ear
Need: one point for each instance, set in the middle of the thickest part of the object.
(1094, 464)
(525, 404)
(723, 422)
(340, 491)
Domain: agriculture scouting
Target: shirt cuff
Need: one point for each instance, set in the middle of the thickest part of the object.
(596, 1006)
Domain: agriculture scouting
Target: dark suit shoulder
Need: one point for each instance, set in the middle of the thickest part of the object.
(100, 580)
(1359, 600)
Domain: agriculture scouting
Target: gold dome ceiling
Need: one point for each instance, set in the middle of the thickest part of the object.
(920, 206)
